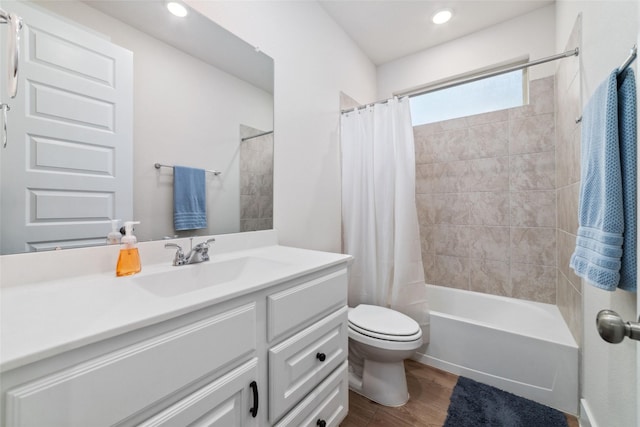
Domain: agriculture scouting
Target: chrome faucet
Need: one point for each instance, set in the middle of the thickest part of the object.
(199, 253)
(178, 259)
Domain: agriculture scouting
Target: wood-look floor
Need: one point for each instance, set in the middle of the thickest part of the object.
(430, 390)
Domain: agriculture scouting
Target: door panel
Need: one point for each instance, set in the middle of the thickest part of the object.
(72, 119)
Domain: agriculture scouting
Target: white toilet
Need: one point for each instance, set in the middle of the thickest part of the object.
(379, 341)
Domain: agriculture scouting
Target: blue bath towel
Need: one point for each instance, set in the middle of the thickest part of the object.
(628, 134)
(189, 198)
(608, 175)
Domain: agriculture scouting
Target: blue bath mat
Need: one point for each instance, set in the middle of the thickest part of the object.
(475, 405)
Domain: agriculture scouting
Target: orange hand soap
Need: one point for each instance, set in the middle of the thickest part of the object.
(129, 258)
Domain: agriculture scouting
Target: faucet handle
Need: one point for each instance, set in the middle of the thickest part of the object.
(205, 244)
(179, 258)
(203, 248)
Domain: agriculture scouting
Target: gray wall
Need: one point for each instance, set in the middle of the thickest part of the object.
(568, 179)
(256, 180)
(486, 195)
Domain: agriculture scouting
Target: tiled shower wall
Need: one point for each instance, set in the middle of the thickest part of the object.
(256, 180)
(568, 107)
(486, 196)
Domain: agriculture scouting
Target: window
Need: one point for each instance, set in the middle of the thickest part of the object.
(490, 94)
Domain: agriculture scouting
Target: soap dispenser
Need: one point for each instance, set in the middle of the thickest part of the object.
(114, 236)
(129, 258)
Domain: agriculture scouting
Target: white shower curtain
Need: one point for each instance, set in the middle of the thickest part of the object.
(380, 222)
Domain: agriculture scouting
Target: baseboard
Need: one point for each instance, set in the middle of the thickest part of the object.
(586, 418)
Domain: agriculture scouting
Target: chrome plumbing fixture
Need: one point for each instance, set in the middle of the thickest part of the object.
(197, 254)
(612, 328)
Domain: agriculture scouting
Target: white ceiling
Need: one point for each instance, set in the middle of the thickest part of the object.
(390, 29)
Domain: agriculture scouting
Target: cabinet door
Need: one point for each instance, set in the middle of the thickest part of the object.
(227, 401)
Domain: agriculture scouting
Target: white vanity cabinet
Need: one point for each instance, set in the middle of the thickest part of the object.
(137, 376)
(276, 355)
(222, 403)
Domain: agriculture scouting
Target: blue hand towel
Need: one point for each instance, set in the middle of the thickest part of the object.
(608, 174)
(189, 199)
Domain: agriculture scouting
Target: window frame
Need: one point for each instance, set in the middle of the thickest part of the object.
(472, 77)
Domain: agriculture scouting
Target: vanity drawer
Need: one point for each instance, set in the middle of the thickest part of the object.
(328, 402)
(110, 388)
(289, 309)
(224, 402)
(299, 364)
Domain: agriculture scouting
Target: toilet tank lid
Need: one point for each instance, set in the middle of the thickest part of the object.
(383, 320)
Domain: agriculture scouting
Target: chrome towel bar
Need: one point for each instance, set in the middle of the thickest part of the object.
(159, 165)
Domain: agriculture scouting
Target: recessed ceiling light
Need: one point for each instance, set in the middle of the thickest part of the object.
(442, 16)
(177, 9)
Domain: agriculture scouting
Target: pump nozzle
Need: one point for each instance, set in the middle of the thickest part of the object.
(128, 227)
(129, 239)
(113, 238)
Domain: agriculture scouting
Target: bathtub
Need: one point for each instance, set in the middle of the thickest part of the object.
(519, 346)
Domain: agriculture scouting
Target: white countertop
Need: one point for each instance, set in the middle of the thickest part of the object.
(43, 319)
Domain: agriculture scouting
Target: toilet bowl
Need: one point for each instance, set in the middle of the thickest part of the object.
(379, 341)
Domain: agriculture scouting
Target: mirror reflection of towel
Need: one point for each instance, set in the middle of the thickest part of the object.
(189, 198)
(628, 134)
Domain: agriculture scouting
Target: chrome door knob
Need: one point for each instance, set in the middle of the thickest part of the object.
(613, 329)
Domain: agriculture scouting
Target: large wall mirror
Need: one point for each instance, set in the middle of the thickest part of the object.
(109, 89)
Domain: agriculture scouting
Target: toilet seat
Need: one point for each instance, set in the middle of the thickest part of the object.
(379, 336)
(384, 324)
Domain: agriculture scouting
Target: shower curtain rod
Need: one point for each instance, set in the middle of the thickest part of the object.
(256, 136)
(418, 92)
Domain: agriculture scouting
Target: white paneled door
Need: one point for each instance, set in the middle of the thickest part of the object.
(67, 167)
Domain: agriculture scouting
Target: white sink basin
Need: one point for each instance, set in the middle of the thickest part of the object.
(189, 278)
